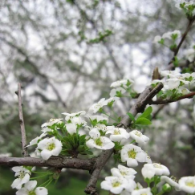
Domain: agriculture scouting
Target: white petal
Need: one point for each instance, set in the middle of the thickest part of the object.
(31, 185)
(90, 143)
(132, 162)
(41, 191)
(46, 154)
(94, 133)
(17, 183)
(26, 178)
(22, 192)
(71, 128)
(16, 169)
(141, 156)
(117, 190)
(105, 185)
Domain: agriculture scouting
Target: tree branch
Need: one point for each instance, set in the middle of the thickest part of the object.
(57, 162)
(190, 95)
(181, 41)
(21, 118)
(143, 99)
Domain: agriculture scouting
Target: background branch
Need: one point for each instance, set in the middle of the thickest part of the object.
(21, 118)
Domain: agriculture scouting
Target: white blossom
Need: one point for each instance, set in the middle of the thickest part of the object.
(156, 168)
(187, 3)
(157, 39)
(113, 92)
(183, 90)
(29, 189)
(71, 128)
(170, 73)
(187, 184)
(95, 107)
(71, 115)
(147, 173)
(49, 147)
(98, 141)
(123, 83)
(99, 117)
(101, 127)
(133, 154)
(117, 134)
(114, 184)
(123, 171)
(168, 35)
(23, 176)
(145, 191)
(173, 83)
(78, 121)
(35, 140)
(139, 137)
(111, 99)
(190, 54)
(51, 122)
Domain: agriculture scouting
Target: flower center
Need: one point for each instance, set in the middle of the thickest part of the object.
(138, 133)
(132, 154)
(98, 142)
(51, 146)
(190, 184)
(116, 184)
(22, 174)
(157, 165)
(101, 127)
(116, 132)
(123, 173)
(31, 193)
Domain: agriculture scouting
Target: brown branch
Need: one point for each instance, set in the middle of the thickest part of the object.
(181, 41)
(57, 162)
(100, 163)
(143, 99)
(21, 118)
(190, 95)
(139, 106)
(184, 36)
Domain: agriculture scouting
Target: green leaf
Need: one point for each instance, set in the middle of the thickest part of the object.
(146, 113)
(142, 121)
(131, 116)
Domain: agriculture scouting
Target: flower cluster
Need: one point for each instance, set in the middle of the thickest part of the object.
(23, 184)
(188, 6)
(175, 84)
(168, 39)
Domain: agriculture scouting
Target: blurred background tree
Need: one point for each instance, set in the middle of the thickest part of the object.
(65, 53)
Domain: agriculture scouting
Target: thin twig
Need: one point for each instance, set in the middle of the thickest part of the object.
(21, 118)
(181, 41)
(190, 95)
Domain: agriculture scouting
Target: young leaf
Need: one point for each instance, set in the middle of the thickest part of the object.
(146, 113)
(131, 116)
(142, 121)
